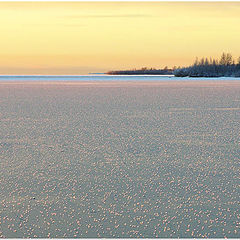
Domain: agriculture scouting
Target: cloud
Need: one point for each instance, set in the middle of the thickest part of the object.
(109, 16)
(57, 24)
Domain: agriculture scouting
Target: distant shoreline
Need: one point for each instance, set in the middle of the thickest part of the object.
(142, 71)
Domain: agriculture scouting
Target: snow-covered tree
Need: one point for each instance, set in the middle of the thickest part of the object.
(211, 68)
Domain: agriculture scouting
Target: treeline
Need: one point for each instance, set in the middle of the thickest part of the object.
(143, 71)
(225, 67)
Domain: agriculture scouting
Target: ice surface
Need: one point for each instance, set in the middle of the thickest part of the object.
(119, 159)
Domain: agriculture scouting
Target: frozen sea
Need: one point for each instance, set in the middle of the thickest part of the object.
(103, 78)
(119, 158)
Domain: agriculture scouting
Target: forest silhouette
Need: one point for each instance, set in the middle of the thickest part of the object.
(205, 67)
(225, 67)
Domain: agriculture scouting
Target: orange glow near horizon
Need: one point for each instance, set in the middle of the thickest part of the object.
(85, 37)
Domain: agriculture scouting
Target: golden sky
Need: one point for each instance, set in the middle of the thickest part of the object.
(83, 37)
